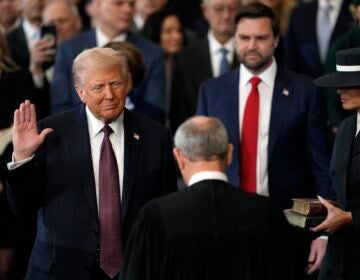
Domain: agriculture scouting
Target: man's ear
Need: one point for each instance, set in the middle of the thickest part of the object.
(229, 154)
(80, 92)
(179, 156)
(276, 43)
(129, 83)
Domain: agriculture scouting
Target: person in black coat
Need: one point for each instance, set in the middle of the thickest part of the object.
(211, 230)
(16, 233)
(343, 223)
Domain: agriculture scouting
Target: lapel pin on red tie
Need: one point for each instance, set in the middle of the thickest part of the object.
(285, 92)
(136, 136)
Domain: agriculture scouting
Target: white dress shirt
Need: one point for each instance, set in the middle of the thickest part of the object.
(139, 22)
(102, 39)
(207, 175)
(32, 33)
(117, 141)
(334, 13)
(266, 88)
(215, 54)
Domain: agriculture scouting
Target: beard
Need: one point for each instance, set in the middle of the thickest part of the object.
(255, 65)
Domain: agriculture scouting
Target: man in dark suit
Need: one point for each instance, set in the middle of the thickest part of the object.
(202, 60)
(65, 172)
(114, 19)
(281, 151)
(211, 230)
(343, 252)
(302, 52)
(21, 39)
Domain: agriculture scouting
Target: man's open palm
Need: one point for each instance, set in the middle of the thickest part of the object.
(25, 136)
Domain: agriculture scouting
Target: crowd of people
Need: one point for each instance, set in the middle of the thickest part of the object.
(99, 101)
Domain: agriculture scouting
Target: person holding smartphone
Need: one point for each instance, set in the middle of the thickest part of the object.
(61, 22)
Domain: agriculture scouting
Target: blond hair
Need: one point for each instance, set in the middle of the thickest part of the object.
(100, 59)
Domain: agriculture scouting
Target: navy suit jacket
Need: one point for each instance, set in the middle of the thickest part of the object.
(301, 50)
(148, 97)
(191, 67)
(18, 47)
(59, 184)
(298, 157)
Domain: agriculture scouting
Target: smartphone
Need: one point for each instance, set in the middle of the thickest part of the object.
(49, 31)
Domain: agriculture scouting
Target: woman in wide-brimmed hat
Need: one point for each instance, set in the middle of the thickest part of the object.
(343, 251)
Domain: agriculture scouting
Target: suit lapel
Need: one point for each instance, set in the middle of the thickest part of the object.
(131, 38)
(203, 64)
(133, 139)
(280, 103)
(342, 154)
(91, 39)
(230, 109)
(356, 146)
(343, 21)
(80, 146)
(309, 47)
(21, 48)
(235, 62)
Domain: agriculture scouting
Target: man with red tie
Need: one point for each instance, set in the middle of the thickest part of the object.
(87, 172)
(275, 120)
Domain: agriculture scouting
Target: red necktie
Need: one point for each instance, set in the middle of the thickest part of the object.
(249, 139)
(111, 248)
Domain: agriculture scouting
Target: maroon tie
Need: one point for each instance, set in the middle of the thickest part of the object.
(249, 139)
(111, 248)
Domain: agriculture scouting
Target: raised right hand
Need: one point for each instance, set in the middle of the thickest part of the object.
(25, 136)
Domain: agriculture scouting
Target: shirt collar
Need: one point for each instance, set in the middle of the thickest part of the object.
(215, 46)
(102, 39)
(267, 77)
(336, 4)
(96, 125)
(207, 175)
(139, 22)
(32, 32)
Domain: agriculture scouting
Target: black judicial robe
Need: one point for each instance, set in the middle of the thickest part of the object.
(210, 231)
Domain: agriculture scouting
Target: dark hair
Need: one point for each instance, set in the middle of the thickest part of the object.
(153, 25)
(258, 10)
(134, 59)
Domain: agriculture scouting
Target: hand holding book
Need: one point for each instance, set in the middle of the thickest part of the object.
(336, 218)
(307, 212)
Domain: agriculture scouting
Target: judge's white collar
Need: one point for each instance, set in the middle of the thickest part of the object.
(207, 175)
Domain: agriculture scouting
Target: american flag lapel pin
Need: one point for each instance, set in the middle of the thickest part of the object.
(285, 92)
(136, 136)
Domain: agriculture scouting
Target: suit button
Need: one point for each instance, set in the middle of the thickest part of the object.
(332, 172)
(94, 233)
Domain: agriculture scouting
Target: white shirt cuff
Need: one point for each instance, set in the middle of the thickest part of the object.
(15, 164)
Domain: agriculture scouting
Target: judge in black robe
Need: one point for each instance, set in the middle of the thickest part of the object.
(211, 230)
